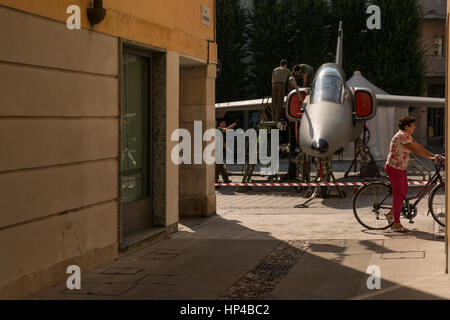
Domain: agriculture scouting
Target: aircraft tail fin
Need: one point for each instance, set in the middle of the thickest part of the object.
(340, 45)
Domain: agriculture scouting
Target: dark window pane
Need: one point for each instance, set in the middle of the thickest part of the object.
(135, 128)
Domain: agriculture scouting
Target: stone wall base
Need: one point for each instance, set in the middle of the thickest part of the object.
(198, 207)
(32, 283)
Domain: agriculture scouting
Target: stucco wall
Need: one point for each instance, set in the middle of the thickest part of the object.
(59, 129)
(59, 151)
(171, 24)
(197, 96)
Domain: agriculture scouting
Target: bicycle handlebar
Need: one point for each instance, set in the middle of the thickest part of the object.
(441, 161)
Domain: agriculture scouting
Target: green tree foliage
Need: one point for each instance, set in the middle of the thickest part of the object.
(269, 43)
(352, 13)
(247, 55)
(396, 52)
(392, 57)
(305, 31)
(230, 40)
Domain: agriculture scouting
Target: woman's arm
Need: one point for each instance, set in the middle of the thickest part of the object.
(421, 151)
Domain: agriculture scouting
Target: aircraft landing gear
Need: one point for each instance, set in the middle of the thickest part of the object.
(300, 169)
(368, 165)
(324, 174)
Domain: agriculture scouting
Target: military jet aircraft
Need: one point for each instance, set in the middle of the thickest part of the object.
(331, 113)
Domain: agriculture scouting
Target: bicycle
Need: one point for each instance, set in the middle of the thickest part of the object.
(373, 200)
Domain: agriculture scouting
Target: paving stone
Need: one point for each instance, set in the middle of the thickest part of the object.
(113, 277)
(101, 289)
(364, 247)
(163, 254)
(121, 270)
(165, 279)
(404, 255)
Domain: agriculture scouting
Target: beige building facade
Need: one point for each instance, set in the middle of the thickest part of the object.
(86, 121)
(430, 125)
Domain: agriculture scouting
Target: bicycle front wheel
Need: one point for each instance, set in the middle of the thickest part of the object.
(371, 203)
(436, 204)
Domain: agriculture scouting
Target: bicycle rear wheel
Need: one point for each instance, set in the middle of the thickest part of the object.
(371, 203)
(436, 204)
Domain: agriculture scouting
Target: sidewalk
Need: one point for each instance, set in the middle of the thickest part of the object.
(260, 247)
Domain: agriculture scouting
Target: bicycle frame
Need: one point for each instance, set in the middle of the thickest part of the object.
(427, 188)
(435, 184)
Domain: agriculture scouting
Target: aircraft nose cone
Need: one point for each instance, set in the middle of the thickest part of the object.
(320, 146)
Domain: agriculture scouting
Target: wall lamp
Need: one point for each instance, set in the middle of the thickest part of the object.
(97, 13)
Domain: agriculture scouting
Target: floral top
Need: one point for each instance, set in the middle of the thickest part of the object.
(398, 157)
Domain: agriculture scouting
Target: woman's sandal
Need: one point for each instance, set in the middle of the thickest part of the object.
(401, 230)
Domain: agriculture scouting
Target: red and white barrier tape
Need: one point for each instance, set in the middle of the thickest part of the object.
(312, 184)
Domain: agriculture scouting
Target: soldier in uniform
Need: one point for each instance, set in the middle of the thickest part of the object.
(280, 76)
(221, 169)
(304, 75)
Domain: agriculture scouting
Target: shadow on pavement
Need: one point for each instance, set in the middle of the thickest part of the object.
(221, 258)
(422, 235)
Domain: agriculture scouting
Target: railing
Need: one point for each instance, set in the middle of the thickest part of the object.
(434, 9)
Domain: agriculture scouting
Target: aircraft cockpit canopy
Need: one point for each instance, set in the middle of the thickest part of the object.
(328, 85)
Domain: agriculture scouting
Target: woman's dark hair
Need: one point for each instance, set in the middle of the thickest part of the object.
(405, 121)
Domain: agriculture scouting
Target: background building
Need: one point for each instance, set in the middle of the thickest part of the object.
(86, 118)
(431, 128)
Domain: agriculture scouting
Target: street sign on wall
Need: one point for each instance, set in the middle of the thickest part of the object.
(206, 14)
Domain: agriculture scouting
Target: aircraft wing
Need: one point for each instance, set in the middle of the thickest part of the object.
(384, 100)
(246, 105)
